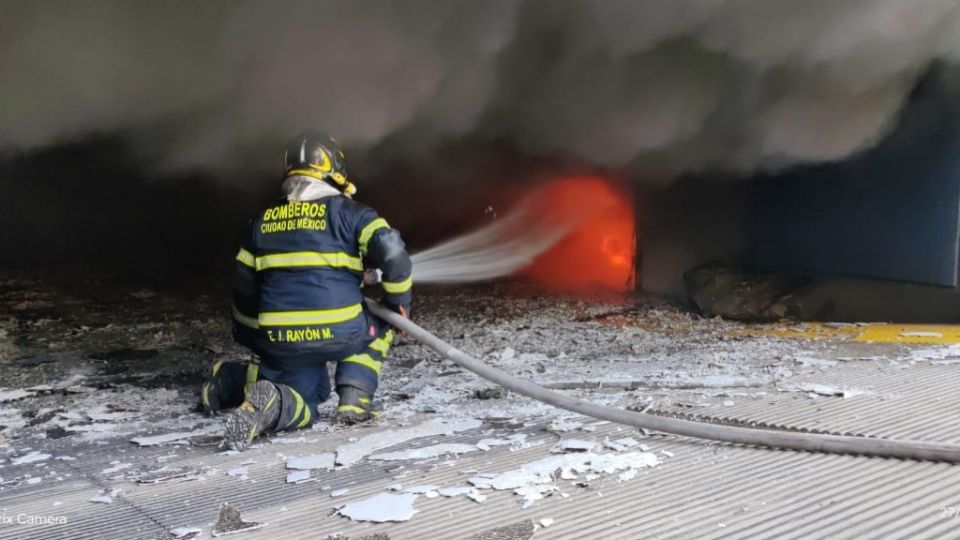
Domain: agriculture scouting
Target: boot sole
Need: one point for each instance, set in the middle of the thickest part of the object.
(247, 421)
(350, 418)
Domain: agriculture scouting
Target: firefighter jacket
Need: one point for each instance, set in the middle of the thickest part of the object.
(299, 271)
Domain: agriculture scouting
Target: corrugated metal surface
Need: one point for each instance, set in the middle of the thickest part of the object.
(910, 403)
(704, 490)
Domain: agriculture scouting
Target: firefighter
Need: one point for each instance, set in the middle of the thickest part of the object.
(298, 302)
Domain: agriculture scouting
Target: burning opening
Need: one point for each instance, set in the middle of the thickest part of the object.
(599, 251)
(574, 234)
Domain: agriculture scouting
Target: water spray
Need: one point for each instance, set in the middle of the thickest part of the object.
(571, 233)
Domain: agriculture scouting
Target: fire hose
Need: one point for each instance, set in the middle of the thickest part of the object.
(789, 440)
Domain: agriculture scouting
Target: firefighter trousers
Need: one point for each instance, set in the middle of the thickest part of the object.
(303, 379)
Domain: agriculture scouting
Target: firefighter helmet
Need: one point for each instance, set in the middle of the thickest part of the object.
(318, 156)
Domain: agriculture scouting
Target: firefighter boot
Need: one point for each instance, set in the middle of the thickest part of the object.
(257, 414)
(210, 397)
(224, 388)
(355, 406)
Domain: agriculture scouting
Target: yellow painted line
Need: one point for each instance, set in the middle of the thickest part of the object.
(807, 331)
(910, 333)
(863, 333)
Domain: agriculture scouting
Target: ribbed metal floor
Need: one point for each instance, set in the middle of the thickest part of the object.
(704, 490)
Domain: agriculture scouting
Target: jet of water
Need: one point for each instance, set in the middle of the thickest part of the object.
(538, 222)
(496, 250)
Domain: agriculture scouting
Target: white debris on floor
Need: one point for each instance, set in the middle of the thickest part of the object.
(565, 446)
(105, 496)
(116, 467)
(455, 491)
(7, 394)
(354, 452)
(565, 424)
(186, 533)
(828, 390)
(515, 440)
(420, 489)
(477, 497)
(166, 438)
(426, 452)
(381, 508)
(13, 419)
(238, 472)
(935, 353)
(622, 443)
(31, 457)
(92, 415)
(312, 462)
(298, 476)
(533, 480)
(816, 362)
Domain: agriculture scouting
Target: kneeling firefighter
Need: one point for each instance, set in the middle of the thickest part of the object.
(298, 303)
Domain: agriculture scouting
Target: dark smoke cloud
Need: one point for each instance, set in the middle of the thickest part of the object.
(660, 85)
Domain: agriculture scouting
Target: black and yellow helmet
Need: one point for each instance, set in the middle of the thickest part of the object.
(318, 156)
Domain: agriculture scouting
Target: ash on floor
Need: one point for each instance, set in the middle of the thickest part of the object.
(87, 371)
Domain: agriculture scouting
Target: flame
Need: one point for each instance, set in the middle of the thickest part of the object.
(618, 252)
(599, 251)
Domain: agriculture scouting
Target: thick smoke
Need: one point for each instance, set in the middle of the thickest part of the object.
(662, 86)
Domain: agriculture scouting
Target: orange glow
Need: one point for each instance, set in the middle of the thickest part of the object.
(600, 251)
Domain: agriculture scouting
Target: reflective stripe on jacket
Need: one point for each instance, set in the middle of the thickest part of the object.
(298, 276)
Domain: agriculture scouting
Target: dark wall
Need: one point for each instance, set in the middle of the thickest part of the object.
(91, 205)
(98, 205)
(692, 221)
(891, 212)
